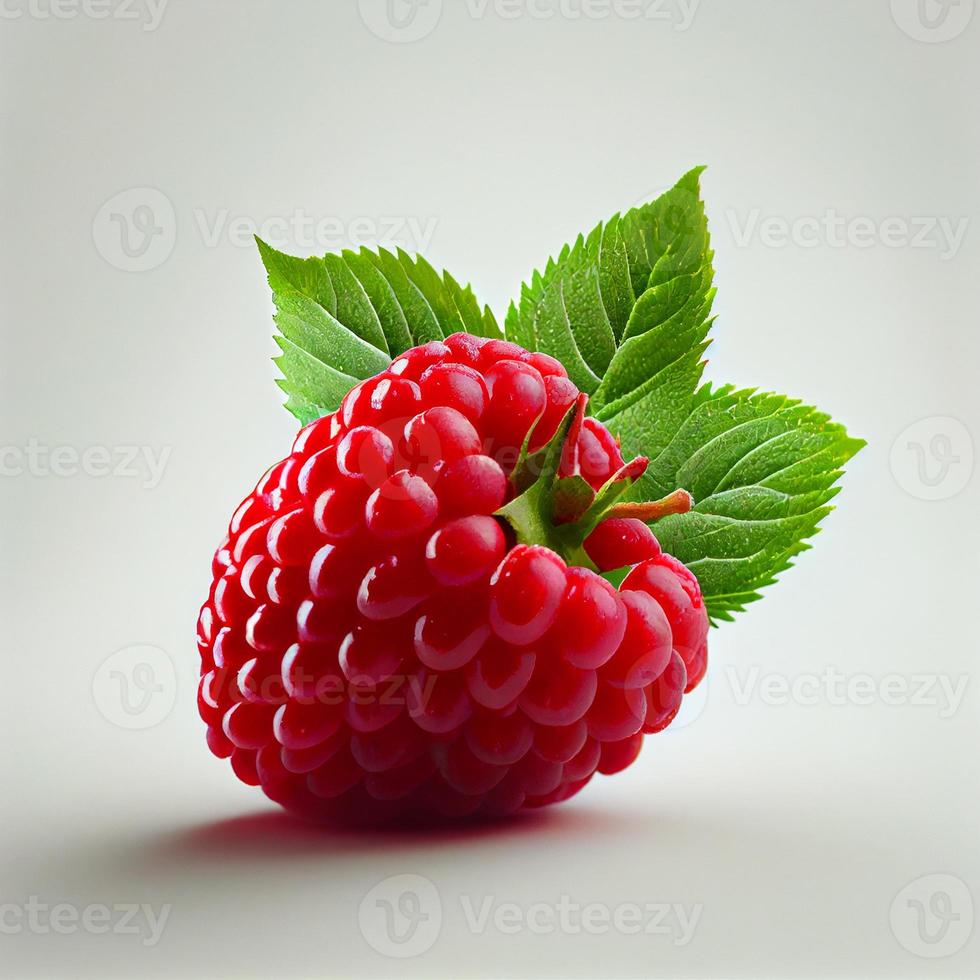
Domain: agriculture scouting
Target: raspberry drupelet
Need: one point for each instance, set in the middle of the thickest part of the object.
(394, 631)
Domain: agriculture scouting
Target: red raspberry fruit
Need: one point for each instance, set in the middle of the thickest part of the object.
(408, 619)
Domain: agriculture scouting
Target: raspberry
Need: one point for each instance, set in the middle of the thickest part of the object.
(621, 541)
(465, 550)
(389, 635)
(677, 591)
(525, 593)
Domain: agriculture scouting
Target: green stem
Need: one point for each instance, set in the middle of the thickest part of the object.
(561, 512)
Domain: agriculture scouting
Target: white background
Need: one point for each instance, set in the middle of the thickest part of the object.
(792, 826)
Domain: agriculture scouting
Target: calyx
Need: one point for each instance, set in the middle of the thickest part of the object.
(560, 512)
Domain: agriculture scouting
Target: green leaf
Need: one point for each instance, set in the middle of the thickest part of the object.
(627, 310)
(312, 385)
(647, 272)
(343, 318)
(762, 469)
